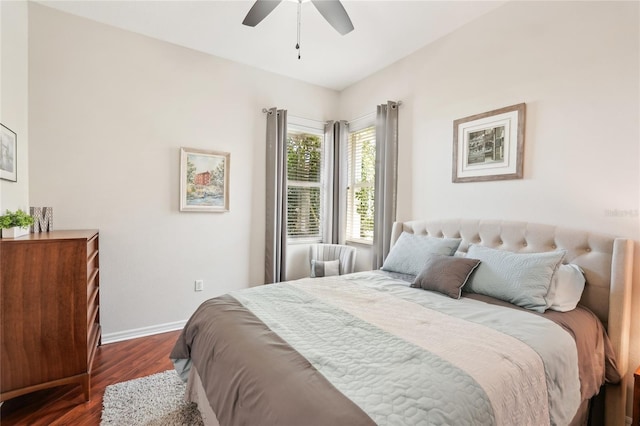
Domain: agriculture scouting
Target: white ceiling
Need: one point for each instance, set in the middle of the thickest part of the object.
(385, 31)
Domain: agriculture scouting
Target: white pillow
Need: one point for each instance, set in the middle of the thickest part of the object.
(566, 288)
(325, 268)
(519, 278)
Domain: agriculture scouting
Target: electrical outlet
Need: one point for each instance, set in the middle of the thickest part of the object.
(199, 285)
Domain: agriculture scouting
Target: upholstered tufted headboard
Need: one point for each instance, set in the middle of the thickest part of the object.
(607, 263)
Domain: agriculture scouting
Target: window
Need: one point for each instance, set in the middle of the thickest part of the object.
(361, 184)
(304, 184)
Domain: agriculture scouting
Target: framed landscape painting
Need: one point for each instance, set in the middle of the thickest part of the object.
(8, 154)
(204, 180)
(489, 146)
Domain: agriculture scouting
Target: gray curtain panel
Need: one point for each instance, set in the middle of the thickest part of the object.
(385, 180)
(276, 197)
(336, 136)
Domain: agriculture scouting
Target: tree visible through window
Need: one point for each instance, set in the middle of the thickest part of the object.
(304, 169)
(361, 186)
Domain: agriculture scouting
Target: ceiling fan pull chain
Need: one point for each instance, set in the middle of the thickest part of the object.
(299, 25)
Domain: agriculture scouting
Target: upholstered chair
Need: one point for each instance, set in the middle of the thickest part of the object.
(328, 252)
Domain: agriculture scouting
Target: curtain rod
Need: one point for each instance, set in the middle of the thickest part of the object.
(265, 110)
(368, 114)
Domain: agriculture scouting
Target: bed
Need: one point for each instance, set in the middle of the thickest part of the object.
(367, 348)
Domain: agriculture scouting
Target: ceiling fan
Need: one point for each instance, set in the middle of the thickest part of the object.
(331, 10)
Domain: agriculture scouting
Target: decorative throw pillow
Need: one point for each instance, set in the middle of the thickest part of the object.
(325, 268)
(445, 274)
(566, 288)
(410, 252)
(519, 278)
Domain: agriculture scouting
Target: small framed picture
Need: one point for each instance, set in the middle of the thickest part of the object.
(489, 146)
(8, 154)
(204, 180)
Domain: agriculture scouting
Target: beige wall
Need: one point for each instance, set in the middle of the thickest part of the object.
(109, 110)
(575, 64)
(14, 97)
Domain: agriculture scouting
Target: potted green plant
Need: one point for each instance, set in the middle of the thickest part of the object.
(15, 224)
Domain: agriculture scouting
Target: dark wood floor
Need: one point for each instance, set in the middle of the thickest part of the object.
(113, 363)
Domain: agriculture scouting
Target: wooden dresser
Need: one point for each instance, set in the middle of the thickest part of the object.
(50, 316)
(636, 398)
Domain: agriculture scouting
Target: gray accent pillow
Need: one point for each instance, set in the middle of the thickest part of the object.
(445, 274)
(410, 252)
(325, 268)
(519, 278)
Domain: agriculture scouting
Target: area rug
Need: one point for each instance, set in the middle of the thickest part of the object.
(156, 400)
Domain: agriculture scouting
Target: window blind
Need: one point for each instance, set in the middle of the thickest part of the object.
(361, 184)
(304, 174)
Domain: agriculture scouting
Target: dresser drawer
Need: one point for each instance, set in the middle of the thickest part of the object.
(93, 284)
(92, 246)
(92, 257)
(92, 265)
(92, 307)
(92, 342)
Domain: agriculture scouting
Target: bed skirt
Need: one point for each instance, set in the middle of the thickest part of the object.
(195, 393)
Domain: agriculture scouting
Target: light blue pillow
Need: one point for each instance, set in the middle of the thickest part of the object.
(519, 278)
(410, 253)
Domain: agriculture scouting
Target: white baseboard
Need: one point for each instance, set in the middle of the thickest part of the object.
(142, 332)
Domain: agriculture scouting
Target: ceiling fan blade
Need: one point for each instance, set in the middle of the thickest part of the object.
(335, 14)
(259, 11)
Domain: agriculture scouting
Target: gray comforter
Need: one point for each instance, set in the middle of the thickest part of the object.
(365, 348)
